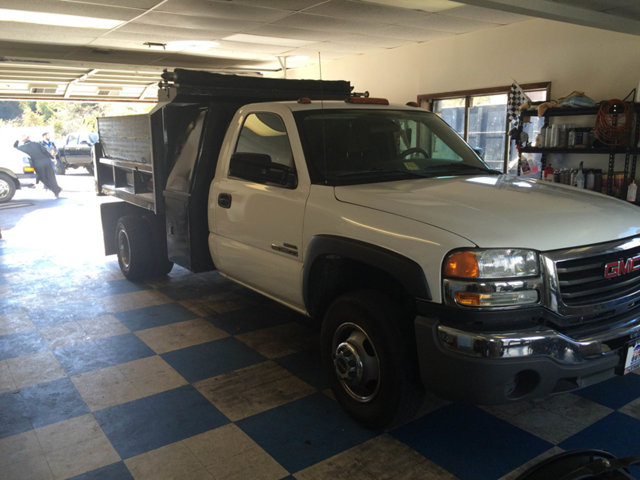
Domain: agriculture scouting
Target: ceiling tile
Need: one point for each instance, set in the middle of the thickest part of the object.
(230, 10)
(485, 15)
(410, 34)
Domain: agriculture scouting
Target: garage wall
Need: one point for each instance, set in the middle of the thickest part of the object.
(604, 64)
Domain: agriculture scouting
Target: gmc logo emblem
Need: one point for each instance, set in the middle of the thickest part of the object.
(622, 267)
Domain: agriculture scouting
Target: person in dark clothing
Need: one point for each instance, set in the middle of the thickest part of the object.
(41, 159)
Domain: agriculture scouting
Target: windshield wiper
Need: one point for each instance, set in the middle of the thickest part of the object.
(459, 168)
(382, 172)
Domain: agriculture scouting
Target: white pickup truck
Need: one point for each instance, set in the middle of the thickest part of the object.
(425, 269)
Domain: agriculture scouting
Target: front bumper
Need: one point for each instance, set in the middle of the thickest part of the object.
(501, 367)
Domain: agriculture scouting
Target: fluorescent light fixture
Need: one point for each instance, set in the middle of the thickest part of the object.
(56, 19)
(431, 6)
(194, 46)
(262, 40)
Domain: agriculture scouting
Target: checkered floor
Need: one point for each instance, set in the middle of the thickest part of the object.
(194, 377)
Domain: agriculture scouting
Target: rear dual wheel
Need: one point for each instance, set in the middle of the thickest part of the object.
(138, 255)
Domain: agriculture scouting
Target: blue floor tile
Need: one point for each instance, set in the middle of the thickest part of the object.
(88, 356)
(307, 366)
(253, 318)
(23, 343)
(14, 418)
(617, 433)
(212, 359)
(195, 286)
(11, 305)
(304, 432)
(615, 392)
(40, 405)
(156, 316)
(465, 440)
(152, 422)
(114, 287)
(115, 471)
(65, 312)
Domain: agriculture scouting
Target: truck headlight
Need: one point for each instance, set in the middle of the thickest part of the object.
(492, 278)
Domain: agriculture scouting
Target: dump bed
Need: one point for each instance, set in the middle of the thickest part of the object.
(164, 161)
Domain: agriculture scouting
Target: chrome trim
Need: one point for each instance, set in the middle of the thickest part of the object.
(553, 291)
(545, 342)
(453, 285)
(285, 248)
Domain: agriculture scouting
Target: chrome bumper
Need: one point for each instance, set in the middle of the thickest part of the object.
(546, 342)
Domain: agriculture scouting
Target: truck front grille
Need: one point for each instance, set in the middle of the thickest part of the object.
(600, 277)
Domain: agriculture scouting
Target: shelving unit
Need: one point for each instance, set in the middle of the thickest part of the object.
(630, 150)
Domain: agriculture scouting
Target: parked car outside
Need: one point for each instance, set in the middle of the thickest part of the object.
(15, 171)
(76, 151)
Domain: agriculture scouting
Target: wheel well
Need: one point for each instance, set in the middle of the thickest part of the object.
(333, 275)
(14, 180)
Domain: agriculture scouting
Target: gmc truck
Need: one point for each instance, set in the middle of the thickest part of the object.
(425, 269)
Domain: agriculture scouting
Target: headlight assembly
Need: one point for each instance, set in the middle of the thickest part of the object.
(492, 278)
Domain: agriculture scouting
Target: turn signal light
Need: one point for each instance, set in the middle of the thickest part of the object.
(468, 299)
(462, 264)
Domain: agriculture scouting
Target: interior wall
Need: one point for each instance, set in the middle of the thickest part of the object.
(601, 63)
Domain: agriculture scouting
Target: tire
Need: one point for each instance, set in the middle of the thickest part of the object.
(60, 168)
(135, 252)
(90, 169)
(7, 188)
(368, 360)
(162, 267)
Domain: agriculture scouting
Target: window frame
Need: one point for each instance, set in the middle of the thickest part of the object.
(427, 100)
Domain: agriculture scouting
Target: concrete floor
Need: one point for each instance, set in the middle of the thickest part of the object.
(194, 377)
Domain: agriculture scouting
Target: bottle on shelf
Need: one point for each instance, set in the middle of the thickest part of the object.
(632, 192)
(590, 182)
(579, 177)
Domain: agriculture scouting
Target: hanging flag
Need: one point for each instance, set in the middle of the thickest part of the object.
(515, 99)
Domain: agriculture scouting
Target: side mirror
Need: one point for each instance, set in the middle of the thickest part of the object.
(258, 167)
(250, 166)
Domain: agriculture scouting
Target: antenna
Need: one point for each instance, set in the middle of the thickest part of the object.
(324, 133)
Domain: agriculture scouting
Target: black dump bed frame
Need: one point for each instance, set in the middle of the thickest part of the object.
(163, 162)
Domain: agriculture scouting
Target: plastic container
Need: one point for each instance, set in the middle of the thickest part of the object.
(579, 182)
(632, 192)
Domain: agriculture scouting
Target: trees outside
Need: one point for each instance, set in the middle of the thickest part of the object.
(64, 117)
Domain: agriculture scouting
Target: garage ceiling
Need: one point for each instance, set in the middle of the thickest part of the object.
(114, 50)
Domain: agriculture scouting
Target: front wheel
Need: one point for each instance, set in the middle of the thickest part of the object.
(7, 188)
(367, 358)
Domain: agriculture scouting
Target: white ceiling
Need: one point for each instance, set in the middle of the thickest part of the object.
(252, 36)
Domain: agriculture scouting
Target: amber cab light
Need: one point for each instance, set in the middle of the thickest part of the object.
(462, 264)
(368, 100)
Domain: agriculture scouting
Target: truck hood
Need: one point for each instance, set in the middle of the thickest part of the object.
(502, 211)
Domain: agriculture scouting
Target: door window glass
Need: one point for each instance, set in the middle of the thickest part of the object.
(263, 152)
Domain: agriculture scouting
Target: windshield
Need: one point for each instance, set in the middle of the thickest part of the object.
(346, 147)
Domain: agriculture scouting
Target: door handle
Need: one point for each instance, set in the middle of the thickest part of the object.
(224, 200)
